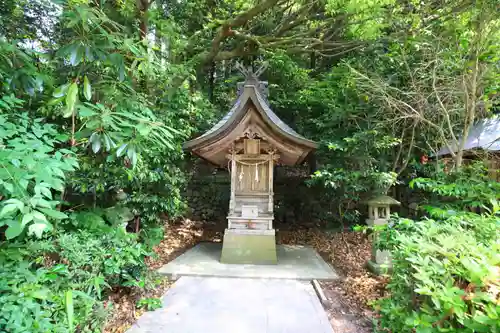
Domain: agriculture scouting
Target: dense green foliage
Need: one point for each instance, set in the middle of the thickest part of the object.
(96, 98)
(445, 275)
(56, 284)
(31, 171)
(90, 150)
(446, 268)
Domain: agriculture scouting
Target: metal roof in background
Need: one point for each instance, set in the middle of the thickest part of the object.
(484, 134)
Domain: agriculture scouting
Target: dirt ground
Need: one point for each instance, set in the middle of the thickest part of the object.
(349, 298)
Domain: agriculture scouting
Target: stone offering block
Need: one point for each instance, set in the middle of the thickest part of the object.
(256, 247)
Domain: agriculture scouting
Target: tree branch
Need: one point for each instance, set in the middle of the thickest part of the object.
(224, 31)
(443, 108)
(294, 21)
(251, 13)
(410, 149)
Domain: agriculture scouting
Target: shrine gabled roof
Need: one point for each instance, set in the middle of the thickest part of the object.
(250, 93)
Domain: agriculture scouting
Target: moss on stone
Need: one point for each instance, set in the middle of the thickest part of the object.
(383, 200)
(249, 249)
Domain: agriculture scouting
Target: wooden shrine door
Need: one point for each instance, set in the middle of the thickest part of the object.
(252, 177)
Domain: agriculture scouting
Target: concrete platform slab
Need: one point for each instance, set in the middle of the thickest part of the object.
(232, 305)
(294, 262)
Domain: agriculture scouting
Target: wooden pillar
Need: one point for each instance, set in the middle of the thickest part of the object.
(232, 201)
(270, 204)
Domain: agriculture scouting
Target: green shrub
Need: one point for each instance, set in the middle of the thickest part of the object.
(468, 189)
(446, 275)
(31, 299)
(117, 258)
(57, 285)
(150, 304)
(32, 170)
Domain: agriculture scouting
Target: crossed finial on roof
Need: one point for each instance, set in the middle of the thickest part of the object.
(248, 71)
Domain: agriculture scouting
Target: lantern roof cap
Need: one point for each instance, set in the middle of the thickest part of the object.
(383, 200)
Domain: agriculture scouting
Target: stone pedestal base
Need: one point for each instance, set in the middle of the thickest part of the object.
(256, 247)
(379, 269)
(381, 262)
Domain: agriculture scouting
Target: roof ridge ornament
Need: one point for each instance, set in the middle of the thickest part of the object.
(249, 73)
(252, 79)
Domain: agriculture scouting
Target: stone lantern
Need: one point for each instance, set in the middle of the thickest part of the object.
(379, 212)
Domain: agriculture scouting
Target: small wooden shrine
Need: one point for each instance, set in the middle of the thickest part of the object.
(250, 140)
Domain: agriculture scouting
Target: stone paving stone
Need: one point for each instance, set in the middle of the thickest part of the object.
(236, 305)
(294, 262)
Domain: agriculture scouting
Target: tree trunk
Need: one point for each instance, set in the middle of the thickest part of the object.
(143, 7)
(472, 77)
(311, 160)
(470, 88)
(211, 82)
(312, 64)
